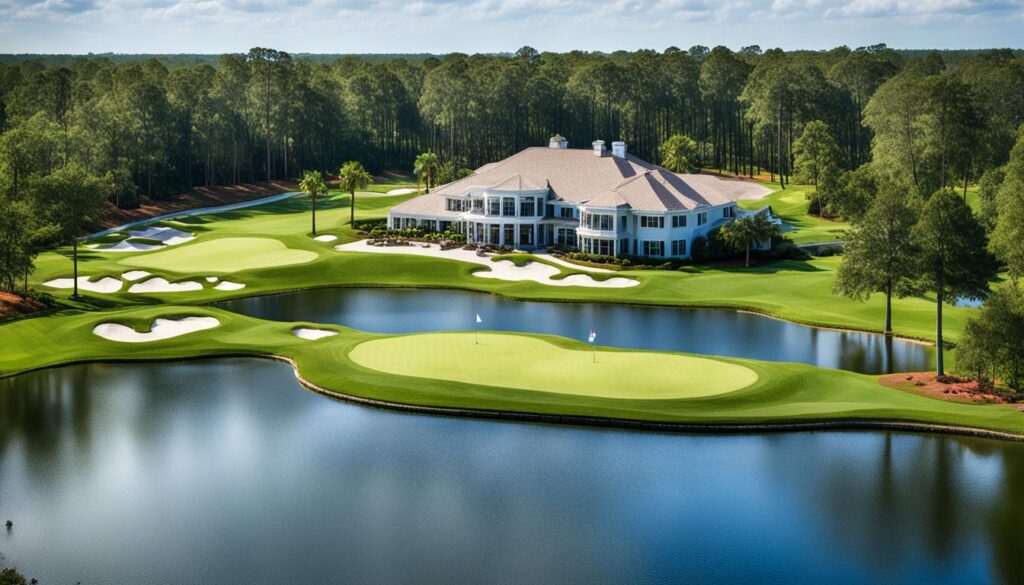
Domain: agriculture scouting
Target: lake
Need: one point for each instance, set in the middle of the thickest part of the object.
(706, 331)
(227, 471)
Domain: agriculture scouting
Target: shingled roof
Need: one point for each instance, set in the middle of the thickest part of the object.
(579, 176)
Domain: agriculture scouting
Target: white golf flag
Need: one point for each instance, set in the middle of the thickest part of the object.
(593, 336)
(478, 319)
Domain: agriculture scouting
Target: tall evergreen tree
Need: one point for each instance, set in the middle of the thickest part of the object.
(878, 256)
(951, 256)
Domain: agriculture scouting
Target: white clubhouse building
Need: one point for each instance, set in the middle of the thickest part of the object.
(591, 200)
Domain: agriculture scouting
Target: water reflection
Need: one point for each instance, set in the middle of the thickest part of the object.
(225, 471)
(715, 332)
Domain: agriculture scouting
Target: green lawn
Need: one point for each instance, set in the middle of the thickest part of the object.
(782, 392)
(222, 256)
(796, 291)
(791, 205)
(528, 363)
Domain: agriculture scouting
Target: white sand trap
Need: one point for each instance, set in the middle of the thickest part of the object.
(326, 238)
(212, 279)
(401, 191)
(166, 235)
(106, 284)
(161, 285)
(133, 275)
(228, 285)
(163, 234)
(126, 246)
(312, 334)
(572, 265)
(502, 269)
(161, 329)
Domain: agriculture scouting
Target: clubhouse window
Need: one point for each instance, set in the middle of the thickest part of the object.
(679, 247)
(508, 206)
(526, 235)
(494, 206)
(565, 212)
(729, 212)
(678, 221)
(527, 207)
(654, 248)
(702, 218)
(598, 221)
(457, 205)
(650, 221)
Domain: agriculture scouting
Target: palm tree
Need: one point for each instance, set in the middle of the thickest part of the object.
(747, 231)
(313, 184)
(425, 169)
(678, 154)
(352, 177)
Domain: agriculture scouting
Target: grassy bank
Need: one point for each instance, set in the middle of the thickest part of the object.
(782, 392)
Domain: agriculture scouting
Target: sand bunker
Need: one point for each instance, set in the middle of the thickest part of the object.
(312, 334)
(161, 285)
(326, 238)
(228, 285)
(501, 269)
(104, 285)
(165, 235)
(128, 246)
(169, 236)
(161, 329)
(212, 279)
(133, 275)
(401, 191)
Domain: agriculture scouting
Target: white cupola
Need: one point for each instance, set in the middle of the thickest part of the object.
(599, 148)
(619, 149)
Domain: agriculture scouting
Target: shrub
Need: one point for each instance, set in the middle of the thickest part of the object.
(787, 250)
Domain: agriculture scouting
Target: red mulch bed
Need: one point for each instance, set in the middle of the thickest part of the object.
(952, 389)
(200, 197)
(12, 305)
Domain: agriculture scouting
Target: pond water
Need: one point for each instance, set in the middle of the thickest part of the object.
(227, 472)
(706, 331)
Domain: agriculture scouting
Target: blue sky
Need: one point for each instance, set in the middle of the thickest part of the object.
(439, 26)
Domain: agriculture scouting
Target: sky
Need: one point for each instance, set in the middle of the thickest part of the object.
(488, 26)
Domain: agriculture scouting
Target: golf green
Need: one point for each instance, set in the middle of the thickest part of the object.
(223, 255)
(528, 363)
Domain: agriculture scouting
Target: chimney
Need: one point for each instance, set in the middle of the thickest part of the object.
(599, 147)
(619, 149)
(558, 141)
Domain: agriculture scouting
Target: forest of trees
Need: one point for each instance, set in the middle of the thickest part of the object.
(154, 129)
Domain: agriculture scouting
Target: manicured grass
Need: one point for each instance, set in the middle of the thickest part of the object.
(791, 205)
(222, 256)
(782, 393)
(528, 363)
(796, 291)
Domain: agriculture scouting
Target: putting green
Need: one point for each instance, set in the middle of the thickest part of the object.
(223, 255)
(528, 363)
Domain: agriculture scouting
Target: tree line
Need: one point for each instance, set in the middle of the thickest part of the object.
(156, 129)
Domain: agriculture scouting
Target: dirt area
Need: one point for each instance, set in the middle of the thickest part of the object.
(762, 177)
(952, 389)
(200, 197)
(12, 304)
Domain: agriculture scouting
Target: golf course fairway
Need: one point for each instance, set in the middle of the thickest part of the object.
(541, 366)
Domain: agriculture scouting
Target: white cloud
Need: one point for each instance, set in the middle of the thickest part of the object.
(496, 25)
